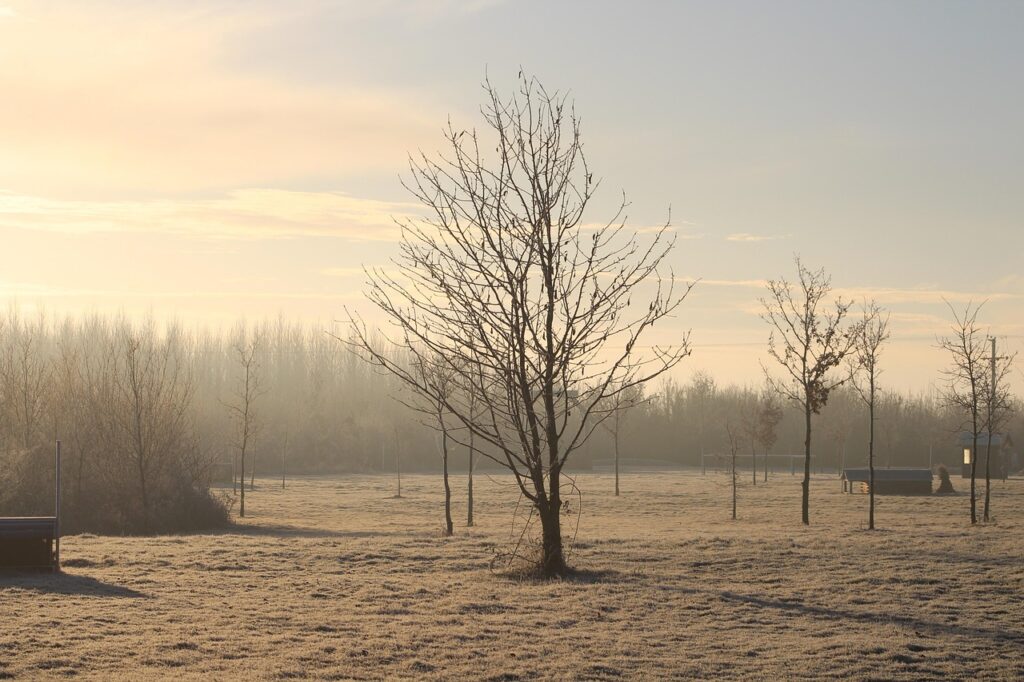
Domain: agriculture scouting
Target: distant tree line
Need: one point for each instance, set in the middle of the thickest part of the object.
(145, 416)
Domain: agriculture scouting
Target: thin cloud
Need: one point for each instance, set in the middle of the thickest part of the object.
(749, 237)
(242, 214)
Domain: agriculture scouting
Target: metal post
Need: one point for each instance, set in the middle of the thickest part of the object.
(56, 565)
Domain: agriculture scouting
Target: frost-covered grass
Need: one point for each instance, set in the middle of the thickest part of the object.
(333, 578)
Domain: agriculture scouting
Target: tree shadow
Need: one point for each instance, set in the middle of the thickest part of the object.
(582, 576)
(838, 614)
(66, 584)
(283, 531)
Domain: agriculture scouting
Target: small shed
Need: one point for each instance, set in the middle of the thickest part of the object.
(28, 542)
(889, 481)
(1002, 446)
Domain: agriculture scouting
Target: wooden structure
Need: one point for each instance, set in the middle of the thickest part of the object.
(28, 542)
(889, 481)
(1002, 454)
(33, 541)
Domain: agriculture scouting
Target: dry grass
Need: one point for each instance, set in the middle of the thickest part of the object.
(335, 579)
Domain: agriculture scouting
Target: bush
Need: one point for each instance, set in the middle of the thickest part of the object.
(97, 501)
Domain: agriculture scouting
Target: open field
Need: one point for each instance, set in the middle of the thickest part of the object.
(333, 578)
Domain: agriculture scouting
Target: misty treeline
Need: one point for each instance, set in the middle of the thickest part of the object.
(144, 414)
(147, 416)
(684, 419)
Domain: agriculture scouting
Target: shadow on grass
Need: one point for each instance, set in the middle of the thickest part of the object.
(582, 576)
(67, 584)
(839, 614)
(282, 531)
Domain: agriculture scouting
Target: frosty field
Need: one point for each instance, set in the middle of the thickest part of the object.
(333, 578)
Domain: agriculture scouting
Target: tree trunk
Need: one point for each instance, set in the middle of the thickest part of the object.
(974, 469)
(616, 439)
(145, 498)
(252, 469)
(469, 504)
(805, 504)
(766, 465)
(552, 558)
(988, 474)
(241, 482)
(753, 462)
(448, 529)
(733, 486)
(871, 462)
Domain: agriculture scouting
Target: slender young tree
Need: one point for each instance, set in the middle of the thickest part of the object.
(618, 407)
(733, 435)
(873, 332)
(749, 424)
(284, 458)
(997, 403)
(809, 339)
(438, 375)
(536, 312)
(472, 457)
(965, 380)
(243, 404)
(768, 419)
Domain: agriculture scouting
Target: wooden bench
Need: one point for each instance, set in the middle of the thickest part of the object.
(29, 542)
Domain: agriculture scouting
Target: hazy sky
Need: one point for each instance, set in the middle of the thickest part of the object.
(209, 160)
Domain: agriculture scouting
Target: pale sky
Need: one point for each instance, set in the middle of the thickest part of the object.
(212, 160)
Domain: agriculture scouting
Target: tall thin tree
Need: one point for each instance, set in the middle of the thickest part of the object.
(873, 332)
(242, 405)
(809, 340)
(965, 380)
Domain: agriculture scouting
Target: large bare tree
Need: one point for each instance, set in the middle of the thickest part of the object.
(872, 333)
(809, 339)
(537, 313)
(965, 380)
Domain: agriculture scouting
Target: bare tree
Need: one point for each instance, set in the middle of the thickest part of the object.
(284, 458)
(242, 407)
(997, 403)
(749, 425)
(872, 333)
(702, 390)
(965, 380)
(808, 342)
(472, 457)
(439, 376)
(733, 434)
(530, 307)
(769, 417)
(26, 374)
(147, 408)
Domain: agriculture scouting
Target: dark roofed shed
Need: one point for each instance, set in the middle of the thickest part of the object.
(903, 481)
